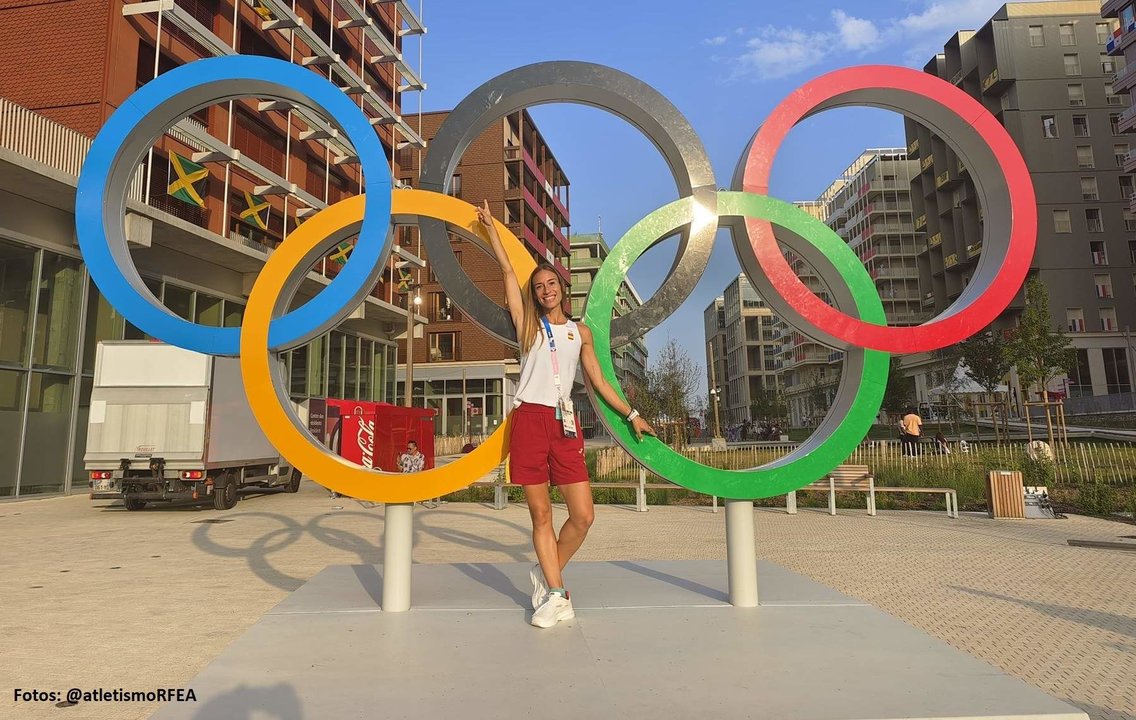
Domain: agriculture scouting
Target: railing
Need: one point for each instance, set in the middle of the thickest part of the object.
(927, 162)
(951, 260)
(921, 221)
(45, 141)
(913, 147)
(989, 80)
(935, 240)
(973, 249)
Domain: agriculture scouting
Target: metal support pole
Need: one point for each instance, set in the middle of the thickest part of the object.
(741, 553)
(641, 491)
(398, 538)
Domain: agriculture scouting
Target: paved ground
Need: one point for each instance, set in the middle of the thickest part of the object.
(96, 597)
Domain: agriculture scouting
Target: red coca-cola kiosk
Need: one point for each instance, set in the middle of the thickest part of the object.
(374, 434)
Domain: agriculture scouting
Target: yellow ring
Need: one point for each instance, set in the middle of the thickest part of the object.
(282, 427)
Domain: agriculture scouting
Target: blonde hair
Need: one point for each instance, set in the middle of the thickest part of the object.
(532, 309)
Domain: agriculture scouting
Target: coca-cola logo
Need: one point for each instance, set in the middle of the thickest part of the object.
(366, 440)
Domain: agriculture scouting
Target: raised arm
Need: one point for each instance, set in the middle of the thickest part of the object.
(512, 285)
(601, 385)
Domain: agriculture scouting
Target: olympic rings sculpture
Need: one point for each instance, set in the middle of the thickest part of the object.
(855, 323)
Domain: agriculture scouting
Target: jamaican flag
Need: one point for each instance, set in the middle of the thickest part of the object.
(256, 211)
(342, 253)
(186, 178)
(262, 10)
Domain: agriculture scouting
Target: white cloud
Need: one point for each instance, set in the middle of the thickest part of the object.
(774, 52)
(779, 52)
(855, 33)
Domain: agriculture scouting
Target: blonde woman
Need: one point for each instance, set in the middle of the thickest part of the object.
(545, 444)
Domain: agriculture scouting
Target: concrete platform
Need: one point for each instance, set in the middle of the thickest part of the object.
(650, 639)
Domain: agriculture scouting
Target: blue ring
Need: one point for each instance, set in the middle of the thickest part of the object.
(144, 116)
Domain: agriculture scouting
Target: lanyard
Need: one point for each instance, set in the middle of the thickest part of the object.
(552, 352)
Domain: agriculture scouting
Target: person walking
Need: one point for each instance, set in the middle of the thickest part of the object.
(545, 443)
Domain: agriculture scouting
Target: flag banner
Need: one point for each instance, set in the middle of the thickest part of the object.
(189, 180)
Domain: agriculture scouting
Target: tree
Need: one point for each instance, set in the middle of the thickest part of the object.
(817, 397)
(669, 388)
(987, 363)
(1039, 352)
(768, 404)
(897, 394)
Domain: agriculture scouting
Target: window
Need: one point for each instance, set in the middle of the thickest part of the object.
(1093, 220)
(1077, 95)
(1108, 66)
(1080, 379)
(1075, 319)
(1110, 97)
(1116, 374)
(444, 346)
(1049, 126)
(1132, 251)
(1114, 122)
(442, 308)
(1103, 33)
(1103, 284)
(1089, 189)
(1080, 125)
(1125, 182)
(1036, 36)
(1097, 252)
(456, 185)
(1061, 223)
(1085, 159)
(1108, 319)
(1129, 222)
(1065, 33)
(1127, 16)
(1072, 64)
(1120, 152)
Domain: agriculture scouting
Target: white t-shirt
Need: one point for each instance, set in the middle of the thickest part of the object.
(536, 384)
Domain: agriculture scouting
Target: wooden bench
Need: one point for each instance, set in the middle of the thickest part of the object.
(860, 478)
(844, 477)
(949, 496)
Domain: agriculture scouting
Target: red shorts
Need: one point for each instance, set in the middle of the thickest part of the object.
(539, 452)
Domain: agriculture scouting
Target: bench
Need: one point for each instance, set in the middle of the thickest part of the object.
(860, 478)
(844, 477)
(949, 496)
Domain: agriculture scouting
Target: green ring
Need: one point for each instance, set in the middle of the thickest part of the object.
(803, 465)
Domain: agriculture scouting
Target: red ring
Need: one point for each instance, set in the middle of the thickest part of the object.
(936, 333)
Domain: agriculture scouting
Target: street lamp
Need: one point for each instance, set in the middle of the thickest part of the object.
(411, 309)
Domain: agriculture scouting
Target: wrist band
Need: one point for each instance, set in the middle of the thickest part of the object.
(632, 415)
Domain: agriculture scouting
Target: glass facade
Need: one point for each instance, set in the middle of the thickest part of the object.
(51, 320)
(461, 407)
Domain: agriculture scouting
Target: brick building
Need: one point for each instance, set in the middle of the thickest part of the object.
(468, 376)
(68, 66)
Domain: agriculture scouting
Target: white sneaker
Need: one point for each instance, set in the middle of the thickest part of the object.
(555, 608)
(539, 588)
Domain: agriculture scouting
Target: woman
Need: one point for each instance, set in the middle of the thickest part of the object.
(545, 444)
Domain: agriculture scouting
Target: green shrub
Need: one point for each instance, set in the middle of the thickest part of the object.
(1040, 471)
(1097, 498)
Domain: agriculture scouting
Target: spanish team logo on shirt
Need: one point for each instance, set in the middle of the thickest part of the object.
(571, 336)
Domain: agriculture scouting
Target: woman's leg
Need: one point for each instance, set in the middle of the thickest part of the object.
(544, 537)
(581, 514)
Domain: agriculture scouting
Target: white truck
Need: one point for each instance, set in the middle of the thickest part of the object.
(171, 424)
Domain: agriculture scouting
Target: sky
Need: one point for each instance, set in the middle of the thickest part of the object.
(724, 65)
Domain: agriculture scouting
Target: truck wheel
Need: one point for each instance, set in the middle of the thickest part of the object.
(294, 483)
(225, 493)
(132, 504)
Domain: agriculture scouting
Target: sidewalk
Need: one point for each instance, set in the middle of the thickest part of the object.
(95, 596)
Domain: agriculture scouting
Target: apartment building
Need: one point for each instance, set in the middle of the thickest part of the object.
(1053, 76)
(464, 373)
(219, 190)
(742, 345)
(869, 206)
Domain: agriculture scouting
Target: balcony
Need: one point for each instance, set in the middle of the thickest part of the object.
(895, 272)
(835, 356)
(973, 250)
(951, 260)
(935, 240)
(530, 163)
(913, 149)
(1121, 38)
(1122, 82)
(926, 163)
(929, 300)
(942, 179)
(544, 217)
(921, 221)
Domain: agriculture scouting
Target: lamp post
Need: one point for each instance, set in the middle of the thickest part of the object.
(411, 309)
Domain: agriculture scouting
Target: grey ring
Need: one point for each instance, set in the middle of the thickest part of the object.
(587, 84)
(990, 185)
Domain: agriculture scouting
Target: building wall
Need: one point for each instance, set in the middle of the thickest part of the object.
(1016, 66)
